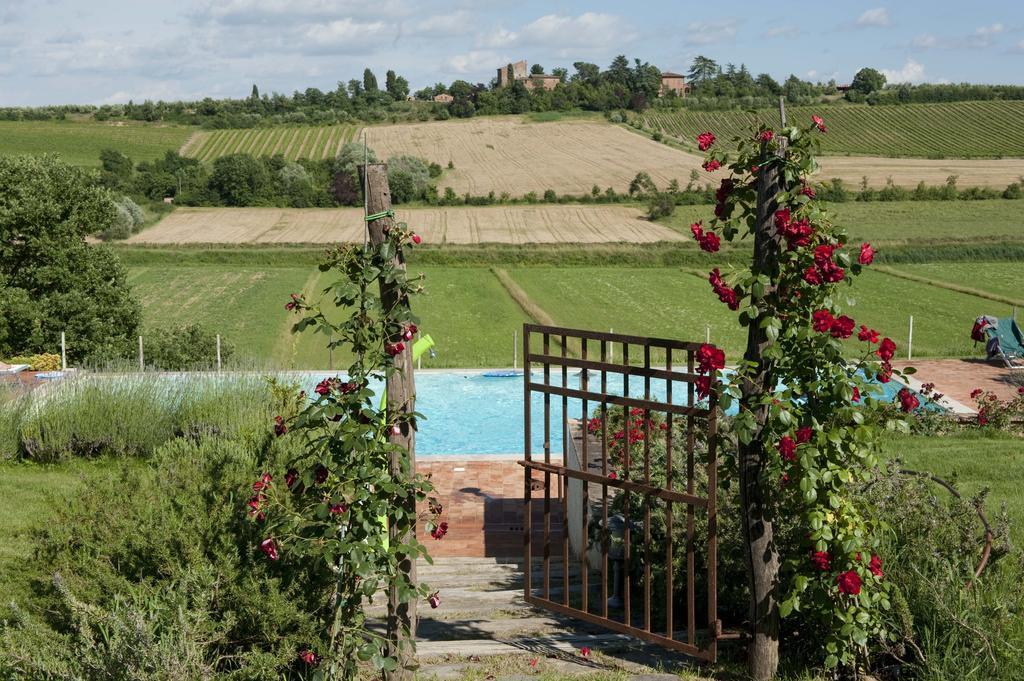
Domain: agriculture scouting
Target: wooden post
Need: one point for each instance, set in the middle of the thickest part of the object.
(218, 353)
(142, 362)
(758, 532)
(63, 353)
(400, 400)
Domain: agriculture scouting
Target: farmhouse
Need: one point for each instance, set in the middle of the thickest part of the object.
(443, 98)
(521, 73)
(673, 82)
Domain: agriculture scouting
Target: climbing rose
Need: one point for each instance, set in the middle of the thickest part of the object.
(290, 477)
(320, 475)
(338, 509)
(766, 136)
(395, 349)
(279, 426)
(725, 294)
(782, 217)
(808, 191)
(325, 386)
(409, 332)
(842, 327)
(711, 166)
(885, 373)
(821, 560)
(709, 358)
(787, 448)
(886, 350)
(849, 582)
(705, 140)
(440, 531)
(585, 651)
(811, 276)
(269, 547)
(876, 566)
(434, 599)
(976, 393)
(309, 657)
(710, 242)
(703, 385)
(866, 334)
(613, 476)
(822, 321)
(416, 239)
(296, 299)
(856, 394)
(263, 483)
(908, 401)
(804, 434)
(819, 122)
(867, 254)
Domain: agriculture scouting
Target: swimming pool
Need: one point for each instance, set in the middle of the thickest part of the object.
(470, 413)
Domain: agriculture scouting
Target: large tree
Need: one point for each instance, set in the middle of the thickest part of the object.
(867, 81)
(702, 69)
(51, 279)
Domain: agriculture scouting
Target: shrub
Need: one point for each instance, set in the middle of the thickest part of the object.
(660, 205)
(41, 362)
(408, 178)
(164, 582)
(550, 196)
(188, 347)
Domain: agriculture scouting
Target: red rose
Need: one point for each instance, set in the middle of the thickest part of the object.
(703, 386)
(876, 566)
(856, 394)
(613, 476)
(811, 276)
(822, 321)
(842, 327)
(766, 136)
(440, 531)
(819, 122)
(886, 350)
(821, 560)
(849, 583)
(866, 334)
(585, 651)
(416, 239)
(782, 218)
(867, 254)
(709, 358)
(884, 373)
(804, 434)
(808, 191)
(269, 547)
(787, 448)
(395, 349)
(823, 254)
(976, 393)
(784, 480)
(705, 140)
(290, 477)
(710, 242)
(434, 599)
(338, 509)
(294, 303)
(982, 417)
(309, 657)
(279, 426)
(263, 483)
(711, 166)
(409, 332)
(908, 401)
(1020, 390)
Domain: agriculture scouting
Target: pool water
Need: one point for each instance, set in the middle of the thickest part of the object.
(470, 413)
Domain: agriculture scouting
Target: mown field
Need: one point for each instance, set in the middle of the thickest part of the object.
(945, 130)
(544, 224)
(472, 316)
(81, 142)
(291, 142)
(906, 222)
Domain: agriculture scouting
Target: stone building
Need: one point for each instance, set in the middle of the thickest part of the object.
(673, 82)
(521, 73)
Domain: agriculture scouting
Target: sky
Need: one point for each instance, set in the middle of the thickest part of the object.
(102, 51)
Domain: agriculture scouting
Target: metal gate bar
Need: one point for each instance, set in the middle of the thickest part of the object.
(633, 480)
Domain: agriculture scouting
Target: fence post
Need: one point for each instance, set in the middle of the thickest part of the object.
(707, 333)
(63, 353)
(419, 360)
(142, 362)
(401, 396)
(910, 339)
(218, 353)
(611, 349)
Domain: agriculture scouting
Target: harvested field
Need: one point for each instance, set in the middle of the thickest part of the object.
(510, 155)
(493, 224)
(908, 172)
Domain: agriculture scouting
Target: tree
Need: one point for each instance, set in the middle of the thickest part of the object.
(586, 72)
(116, 168)
(619, 73)
(561, 72)
(369, 81)
(239, 179)
(51, 279)
(702, 69)
(396, 86)
(537, 70)
(255, 94)
(867, 80)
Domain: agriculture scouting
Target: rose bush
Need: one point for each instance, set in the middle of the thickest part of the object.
(821, 443)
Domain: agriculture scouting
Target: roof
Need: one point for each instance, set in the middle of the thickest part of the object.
(670, 74)
(543, 75)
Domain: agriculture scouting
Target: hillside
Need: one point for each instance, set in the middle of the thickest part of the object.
(291, 142)
(956, 130)
(80, 142)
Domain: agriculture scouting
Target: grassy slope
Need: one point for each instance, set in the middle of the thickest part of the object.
(901, 222)
(1003, 278)
(80, 143)
(943, 130)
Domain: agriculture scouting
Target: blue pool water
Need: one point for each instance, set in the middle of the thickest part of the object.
(469, 413)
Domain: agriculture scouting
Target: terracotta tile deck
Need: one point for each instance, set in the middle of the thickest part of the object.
(483, 506)
(956, 378)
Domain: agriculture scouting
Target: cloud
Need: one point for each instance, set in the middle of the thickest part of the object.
(982, 37)
(474, 61)
(925, 41)
(709, 32)
(444, 24)
(873, 18)
(290, 12)
(346, 36)
(911, 72)
(499, 37)
(783, 32)
(591, 31)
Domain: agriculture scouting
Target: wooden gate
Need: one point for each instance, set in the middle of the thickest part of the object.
(636, 445)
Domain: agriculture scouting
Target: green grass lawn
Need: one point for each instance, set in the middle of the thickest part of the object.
(80, 143)
(906, 222)
(940, 130)
(999, 278)
(29, 492)
(972, 461)
(466, 310)
(671, 303)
